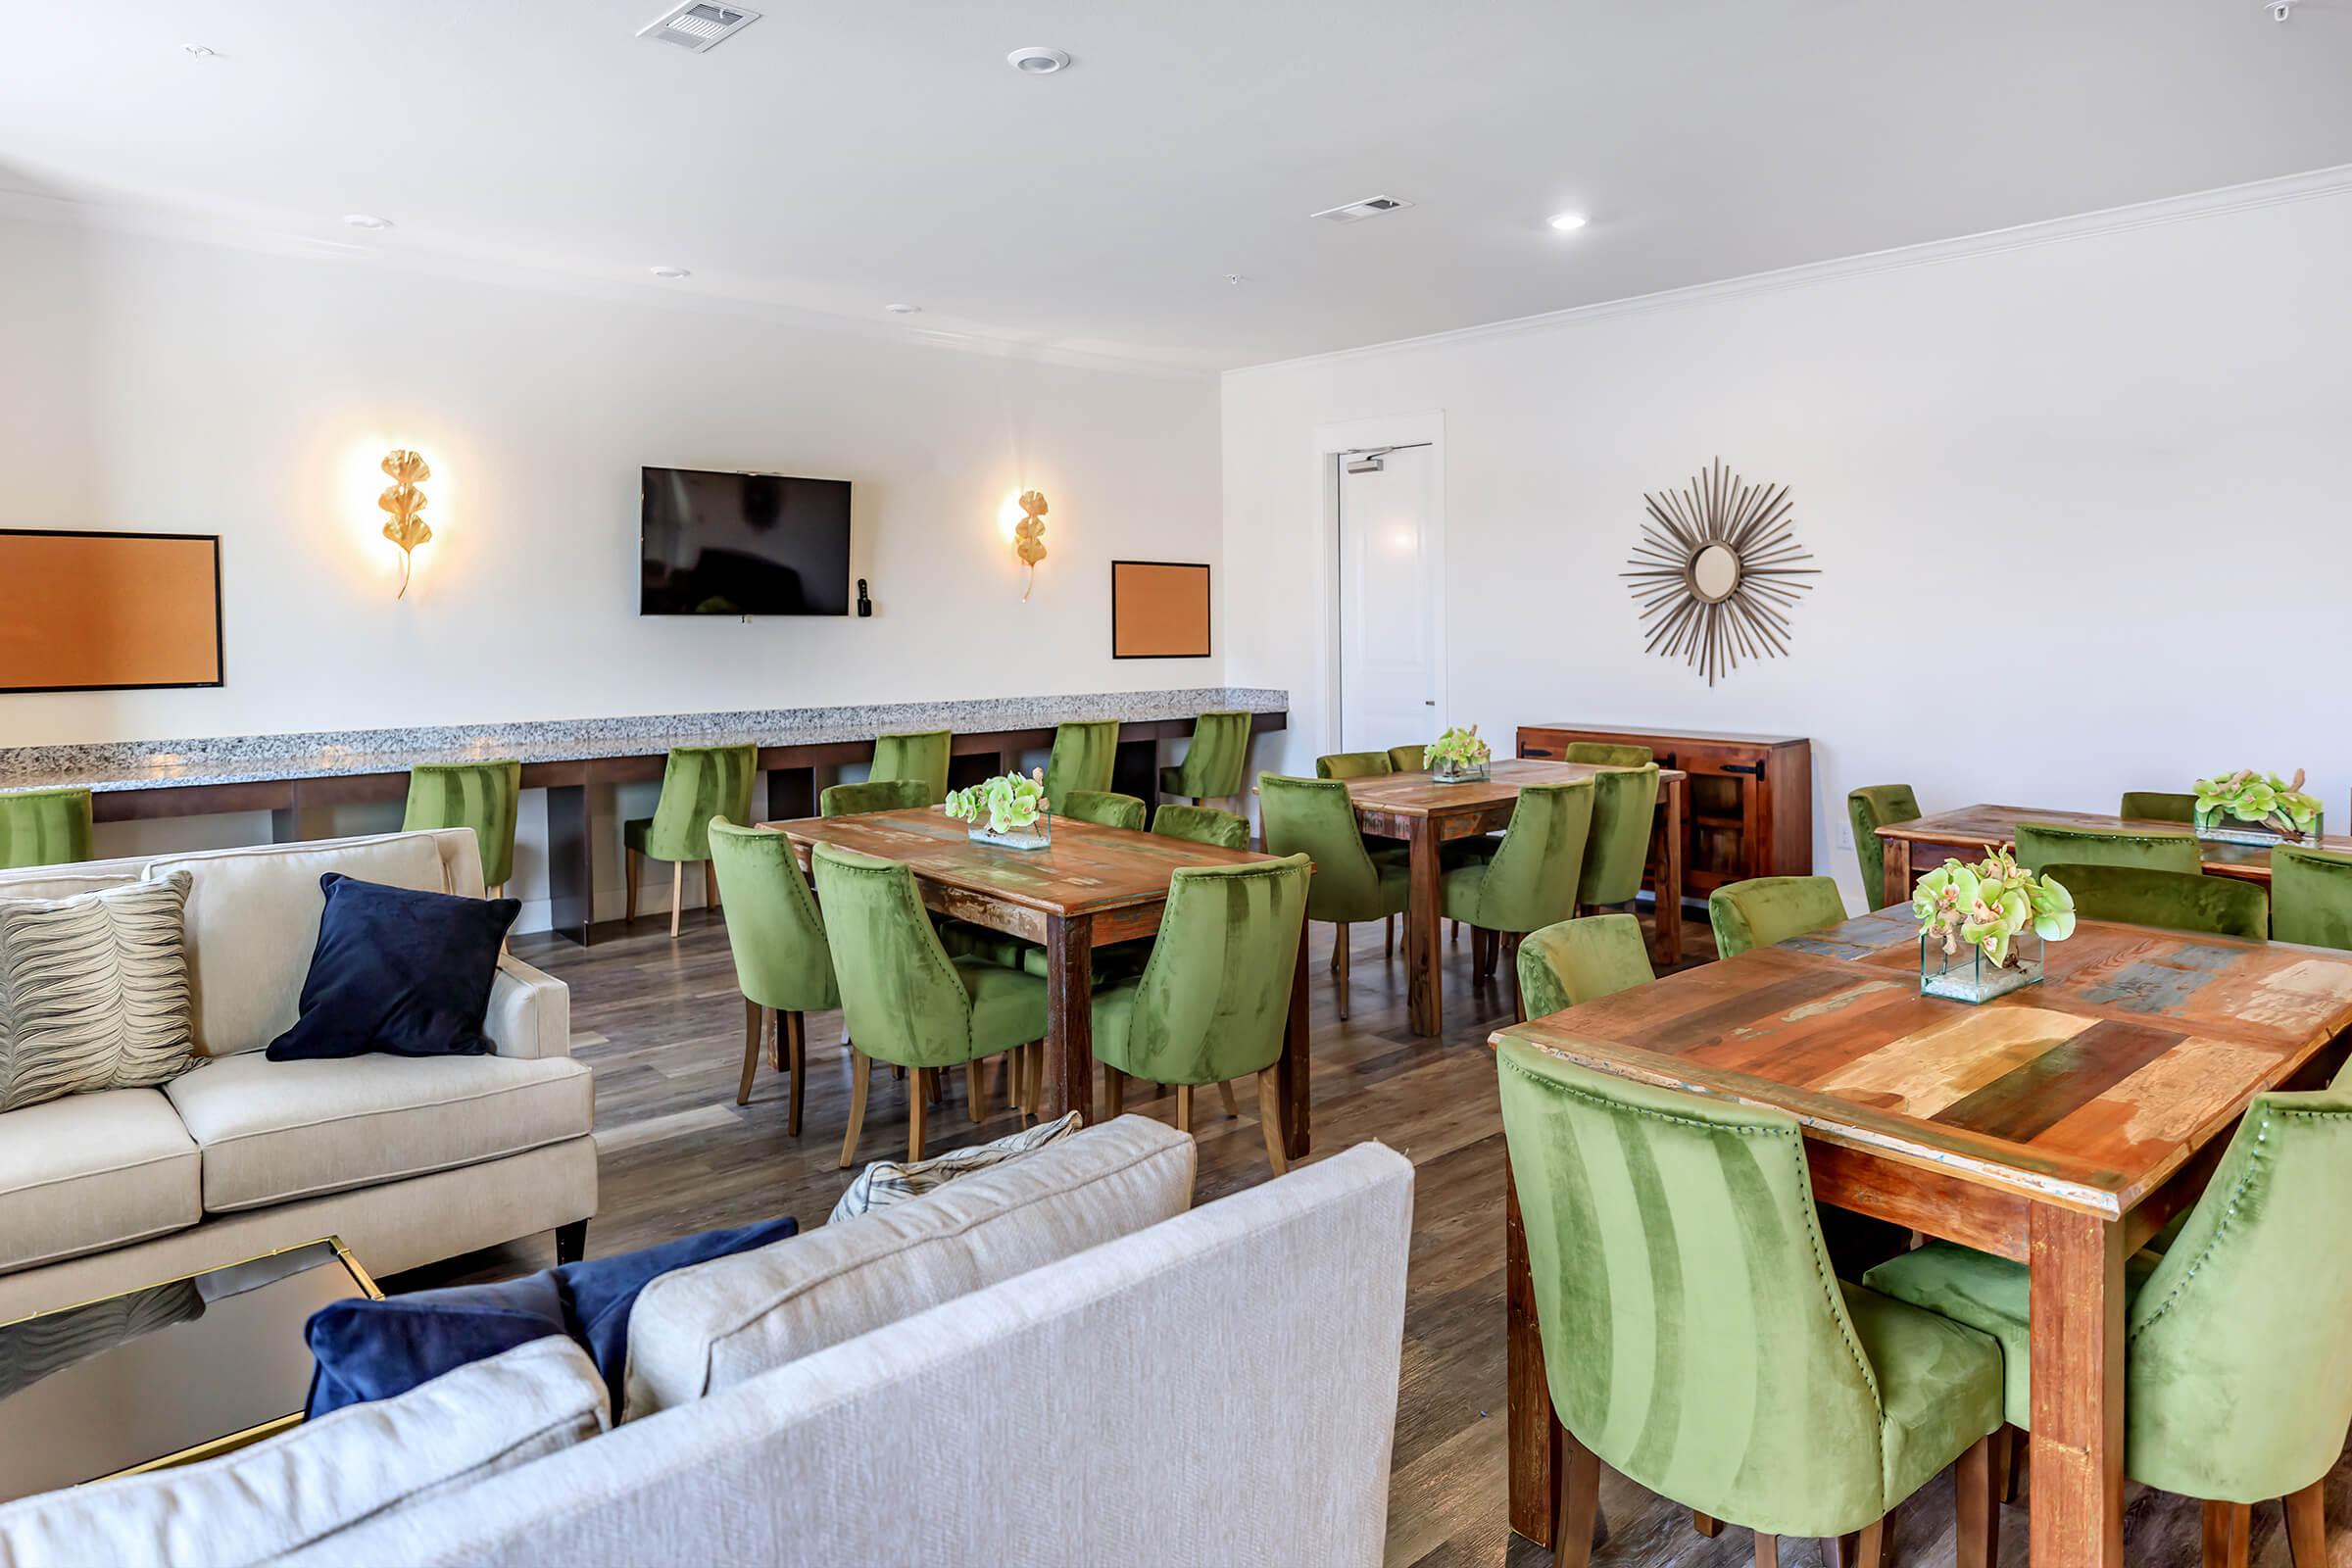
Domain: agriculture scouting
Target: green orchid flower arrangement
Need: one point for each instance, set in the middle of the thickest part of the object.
(1458, 751)
(1987, 905)
(2261, 799)
(1010, 800)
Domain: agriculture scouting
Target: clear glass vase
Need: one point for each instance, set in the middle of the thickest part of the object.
(1036, 835)
(1968, 975)
(2217, 825)
(1459, 774)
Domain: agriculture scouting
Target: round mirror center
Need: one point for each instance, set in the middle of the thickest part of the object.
(1715, 572)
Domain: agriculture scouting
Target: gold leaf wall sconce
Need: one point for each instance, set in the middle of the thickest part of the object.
(1029, 535)
(404, 501)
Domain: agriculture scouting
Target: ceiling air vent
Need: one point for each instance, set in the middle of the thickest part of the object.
(1357, 211)
(697, 24)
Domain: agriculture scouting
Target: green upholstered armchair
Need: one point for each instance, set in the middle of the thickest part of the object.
(1407, 759)
(1214, 999)
(1216, 763)
(1315, 818)
(1575, 961)
(2175, 901)
(1532, 881)
(2236, 1385)
(2159, 806)
(2310, 897)
(874, 795)
(44, 827)
(783, 964)
(698, 783)
(1605, 754)
(1871, 808)
(1085, 755)
(919, 754)
(1202, 825)
(1102, 807)
(1354, 765)
(1765, 909)
(1625, 806)
(2041, 843)
(1694, 1338)
(481, 796)
(902, 999)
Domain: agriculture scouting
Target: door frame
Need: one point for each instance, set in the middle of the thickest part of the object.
(1331, 442)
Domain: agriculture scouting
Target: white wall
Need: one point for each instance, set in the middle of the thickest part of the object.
(2080, 505)
(159, 384)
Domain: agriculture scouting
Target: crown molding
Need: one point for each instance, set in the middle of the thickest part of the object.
(2315, 185)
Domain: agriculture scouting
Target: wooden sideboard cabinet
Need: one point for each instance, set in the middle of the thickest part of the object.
(1751, 797)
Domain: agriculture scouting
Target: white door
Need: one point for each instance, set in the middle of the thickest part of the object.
(1389, 582)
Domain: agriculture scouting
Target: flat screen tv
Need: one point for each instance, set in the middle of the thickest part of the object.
(743, 544)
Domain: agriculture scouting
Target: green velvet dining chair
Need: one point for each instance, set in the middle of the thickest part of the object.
(2310, 897)
(874, 795)
(1102, 807)
(1870, 808)
(1085, 755)
(1202, 825)
(1624, 807)
(1605, 754)
(783, 964)
(698, 783)
(1213, 1002)
(2236, 1387)
(1315, 818)
(1216, 763)
(44, 827)
(481, 796)
(919, 754)
(1581, 961)
(1765, 909)
(1409, 758)
(1696, 1340)
(1532, 881)
(1354, 765)
(2159, 806)
(903, 1000)
(2041, 843)
(2175, 901)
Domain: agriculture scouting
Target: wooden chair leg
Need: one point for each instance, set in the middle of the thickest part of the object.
(1115, 1091)
(1457, 931)
(916, 1105)
(631, 864)
(796, 1026)
(1184, 1108)
(1863, 1548)
(2009, 1460)
(1389, 944)
(1768, 1551)
(1270, 1122)
(2227, 1528)
(1232, 1106)
(862, 1071)
(1339, 954)
(1037, 1077)
(1706, 1525)
(2307, 1526)
(709, 886)
(975, 1094)
(753, 1023)
(1978, 1527)
(1338, 947)
(1580, 1502)
(677, 896)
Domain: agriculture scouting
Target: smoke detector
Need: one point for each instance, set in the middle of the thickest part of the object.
(1036, 60)
(697, 24)
(1357, 211)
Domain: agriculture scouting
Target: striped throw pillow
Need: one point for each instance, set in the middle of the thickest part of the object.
(886, 1182)
(94, 991)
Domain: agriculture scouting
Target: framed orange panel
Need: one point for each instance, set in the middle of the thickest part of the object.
(107, 611)
(1158, 610)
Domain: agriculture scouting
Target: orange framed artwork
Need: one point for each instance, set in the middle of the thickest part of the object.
(1158, 610)
(92, 612)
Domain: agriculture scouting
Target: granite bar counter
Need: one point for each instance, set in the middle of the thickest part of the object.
(282, 774)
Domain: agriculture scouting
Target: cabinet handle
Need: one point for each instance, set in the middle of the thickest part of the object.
(1533, 750)
(1752, 769)
(1667, 762)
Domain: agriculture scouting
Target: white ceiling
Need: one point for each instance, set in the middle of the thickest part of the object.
(841, 154)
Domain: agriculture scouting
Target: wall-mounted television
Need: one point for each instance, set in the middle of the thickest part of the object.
(743, 544)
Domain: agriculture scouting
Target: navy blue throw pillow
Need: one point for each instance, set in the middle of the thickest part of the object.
(398, 971)
(376, 1349)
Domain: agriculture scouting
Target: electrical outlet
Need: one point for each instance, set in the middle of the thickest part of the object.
(1845, 835)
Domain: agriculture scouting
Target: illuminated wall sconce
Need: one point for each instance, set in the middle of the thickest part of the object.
(404, 501)
(1029, 535)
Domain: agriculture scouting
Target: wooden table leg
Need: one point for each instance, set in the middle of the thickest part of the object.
(1290, 1068)
(1069, 1016)
(1897, 876)
(1424, 1001)
(1669, 889)
(1535, 1450)
(2077, 1329)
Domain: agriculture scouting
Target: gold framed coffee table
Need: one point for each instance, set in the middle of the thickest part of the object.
(165, 1374)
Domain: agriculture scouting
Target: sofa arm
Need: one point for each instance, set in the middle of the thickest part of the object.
(530, 1012)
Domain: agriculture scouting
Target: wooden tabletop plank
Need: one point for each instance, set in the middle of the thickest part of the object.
(1421, 795)
(1974, 825)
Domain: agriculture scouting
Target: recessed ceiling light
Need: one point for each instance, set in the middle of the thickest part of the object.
(1037, 62)
(200, 51)
(904, 309)
(1565, 222)
(671, 272)
(367, 221)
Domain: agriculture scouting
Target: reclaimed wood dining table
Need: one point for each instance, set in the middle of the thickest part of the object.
(1090, 886)
(2061, 1125)
(1425, 814)
(1918, 847)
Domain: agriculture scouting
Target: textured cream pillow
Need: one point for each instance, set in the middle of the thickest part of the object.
(894, 1180)
(94, 991)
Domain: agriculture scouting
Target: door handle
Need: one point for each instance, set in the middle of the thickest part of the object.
(1752, 769)
(1429, 702)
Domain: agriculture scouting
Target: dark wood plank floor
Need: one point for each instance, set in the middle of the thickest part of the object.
(661, 1022)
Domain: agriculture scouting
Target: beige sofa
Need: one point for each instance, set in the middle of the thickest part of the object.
(408, 1159)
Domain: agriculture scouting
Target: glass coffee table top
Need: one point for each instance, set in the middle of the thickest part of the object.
(172, 1372)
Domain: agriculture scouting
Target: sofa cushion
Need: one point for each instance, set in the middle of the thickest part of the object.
(253, 921)
(270, 1131)
(889, 1182)
(260, 1503)
(706, 1328)
(92, 1172)
(396, 970)
(94, 991)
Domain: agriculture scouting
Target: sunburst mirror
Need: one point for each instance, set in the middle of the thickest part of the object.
(1717, 569)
